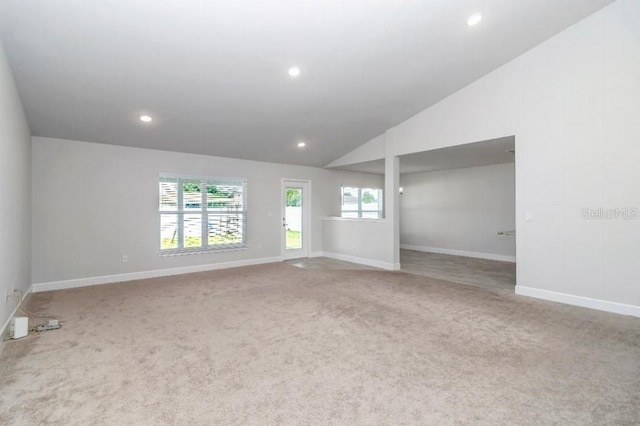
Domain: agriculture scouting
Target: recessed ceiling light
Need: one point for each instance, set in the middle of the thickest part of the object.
(146, 118)
(293, 71)
(301, 144)
(474, 19)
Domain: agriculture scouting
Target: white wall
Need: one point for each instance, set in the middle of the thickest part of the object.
(460, 211)
(572, 103)
(372, 150)
(355, 240)
(92, 203)
(15, 205)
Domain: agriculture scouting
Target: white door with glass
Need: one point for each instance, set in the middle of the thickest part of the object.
(295, 219)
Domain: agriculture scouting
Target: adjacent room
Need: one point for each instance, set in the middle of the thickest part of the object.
(457, 212)
(320, 212)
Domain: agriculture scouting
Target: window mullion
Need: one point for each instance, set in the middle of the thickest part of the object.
(205, 218)
(180, 218)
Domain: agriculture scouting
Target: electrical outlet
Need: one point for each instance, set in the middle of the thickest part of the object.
(9, 293)
(125, 258)
(13, 294)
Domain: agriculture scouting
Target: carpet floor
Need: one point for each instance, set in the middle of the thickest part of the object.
(276, 344)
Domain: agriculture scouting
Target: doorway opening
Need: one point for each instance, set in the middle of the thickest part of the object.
(458, 213)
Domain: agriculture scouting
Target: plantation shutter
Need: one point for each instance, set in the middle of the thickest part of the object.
(202, 213)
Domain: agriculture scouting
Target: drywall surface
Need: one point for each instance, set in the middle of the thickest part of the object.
(460, 210)
(355, 240)
(94, 203)
(572, 103)
(15, 203)
(372, 150)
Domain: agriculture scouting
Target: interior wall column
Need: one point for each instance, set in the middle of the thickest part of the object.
(392, 201)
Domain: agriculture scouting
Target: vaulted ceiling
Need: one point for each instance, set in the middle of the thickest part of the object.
(213, 74)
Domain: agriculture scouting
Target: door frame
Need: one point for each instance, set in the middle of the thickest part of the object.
(305, 251)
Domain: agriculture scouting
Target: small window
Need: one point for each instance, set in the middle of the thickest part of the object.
(201, 214)
(363, 203)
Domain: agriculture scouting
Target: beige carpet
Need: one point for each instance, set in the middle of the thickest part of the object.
(275, 344)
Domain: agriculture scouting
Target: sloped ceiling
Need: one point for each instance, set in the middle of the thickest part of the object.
(213, 74)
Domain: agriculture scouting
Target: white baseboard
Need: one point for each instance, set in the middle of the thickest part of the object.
(587, 302)
(363, 261)
(106, 279)
(316, 254)
(3, 330)
(478, 255)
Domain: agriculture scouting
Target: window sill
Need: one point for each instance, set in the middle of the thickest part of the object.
(173, 253)
(354, 219)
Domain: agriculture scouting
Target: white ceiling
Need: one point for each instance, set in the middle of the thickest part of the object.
(476, 154)
(213, 73)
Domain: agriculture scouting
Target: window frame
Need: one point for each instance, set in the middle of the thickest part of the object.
(360, 210)
(204, 211)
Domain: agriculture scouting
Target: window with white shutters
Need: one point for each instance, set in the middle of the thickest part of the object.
(202, 214)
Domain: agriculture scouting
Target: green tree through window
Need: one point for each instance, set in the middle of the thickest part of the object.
(293, 197)
(368, 198)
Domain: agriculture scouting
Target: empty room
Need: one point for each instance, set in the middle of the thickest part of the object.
(320, 212)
